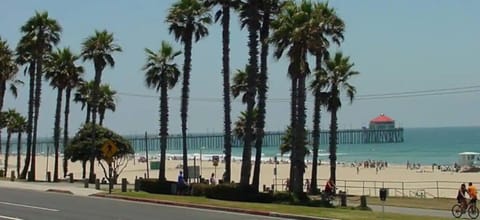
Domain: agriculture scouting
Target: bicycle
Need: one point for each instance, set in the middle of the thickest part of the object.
(472, 210)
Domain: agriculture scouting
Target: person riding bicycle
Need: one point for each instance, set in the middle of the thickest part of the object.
(472, 192)
(461, 196)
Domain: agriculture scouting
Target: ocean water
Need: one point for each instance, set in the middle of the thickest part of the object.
(421, 145)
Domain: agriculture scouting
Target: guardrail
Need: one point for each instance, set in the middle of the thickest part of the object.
(419, 189)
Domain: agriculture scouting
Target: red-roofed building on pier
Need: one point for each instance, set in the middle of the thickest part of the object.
(382, 122)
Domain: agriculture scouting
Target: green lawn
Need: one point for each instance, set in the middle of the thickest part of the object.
(439, 204)
(338, 213)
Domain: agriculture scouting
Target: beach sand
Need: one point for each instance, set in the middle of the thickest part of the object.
(401, 181)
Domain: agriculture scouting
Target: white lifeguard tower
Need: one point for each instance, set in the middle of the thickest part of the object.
(468, 158)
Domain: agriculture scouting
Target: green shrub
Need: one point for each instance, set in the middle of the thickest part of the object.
(234, 192)
(156, 186)
(282, 197)
(198, 189)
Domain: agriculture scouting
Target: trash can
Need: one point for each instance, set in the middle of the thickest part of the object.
(343, 198)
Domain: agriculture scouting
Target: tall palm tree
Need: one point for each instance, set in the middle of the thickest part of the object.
(9, 121)
(268, 9)
(25, 56)
(224, 13)
(239, 85)
(187, 19)
(43, 33)
(74, 79)
(294, 31)
(19, 126)
(161, 73)
(8, 72)
(98, 48)
(59, 68)
(250, 17)
(331, 29)
(239, 125)
(83, 95)
(335, 78)
(106, 100)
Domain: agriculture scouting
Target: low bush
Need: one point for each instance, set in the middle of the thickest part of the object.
(282, 197)
(199, 189)
(156, 186)
(235, 192)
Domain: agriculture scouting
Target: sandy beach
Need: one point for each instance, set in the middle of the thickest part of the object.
(422, 182)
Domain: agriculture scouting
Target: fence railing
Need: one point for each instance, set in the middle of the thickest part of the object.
(419, 189)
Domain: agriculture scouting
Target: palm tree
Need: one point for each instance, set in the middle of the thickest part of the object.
(25, 56)
(19, 126)
(268, 9)
(8, 72)
(331, 27)
(99, 49)
(106, 100)
(239, 84)
(335, 78)
(186, 19)
(162, 74)
(294, 30)
(59, 68)
(239, 126)
(250, 17)
(74, 79)
(83, 95)
(224, 13)
(9, 121)
(40, 33)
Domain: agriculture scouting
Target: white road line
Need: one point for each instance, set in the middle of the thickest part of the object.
(29, 206)
(9, 218)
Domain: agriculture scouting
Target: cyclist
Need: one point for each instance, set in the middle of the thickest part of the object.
(472, 192)
(461, 196)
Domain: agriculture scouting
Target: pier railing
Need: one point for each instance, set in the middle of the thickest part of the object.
(418, 189)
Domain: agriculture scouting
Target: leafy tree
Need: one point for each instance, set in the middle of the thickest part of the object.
(162, 74)
(83, 95)
(98, 48)
(187, 19)
(80, 148)
(335, 78)
(19, 125)
(40, 34)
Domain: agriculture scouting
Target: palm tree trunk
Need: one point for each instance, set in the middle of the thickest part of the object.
(316, 131)
(3, 87)
(185, 95)
(38, 93)
(19, 151)
(316, 143)
(252, 71)
(300, 138)
(227, 123)
(7, 153)
(96, 86)
(31, 100)
(163, 127)
(84, 169)
(56, 135)
(333, 138)
(293, 122)
(262, 95)
(89, 111)
(65, 129)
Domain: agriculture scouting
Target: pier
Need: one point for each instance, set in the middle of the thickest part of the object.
(213, 141)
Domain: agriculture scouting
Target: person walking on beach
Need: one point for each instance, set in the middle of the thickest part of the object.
(213, 181)
(472, 192)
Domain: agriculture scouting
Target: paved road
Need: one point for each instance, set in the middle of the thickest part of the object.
(19, 204)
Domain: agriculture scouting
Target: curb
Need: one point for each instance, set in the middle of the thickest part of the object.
(226, 209)
(59, 191)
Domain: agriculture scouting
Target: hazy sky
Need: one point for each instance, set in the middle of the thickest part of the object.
(398, 46)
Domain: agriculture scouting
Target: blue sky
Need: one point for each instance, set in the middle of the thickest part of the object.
(398, 46)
